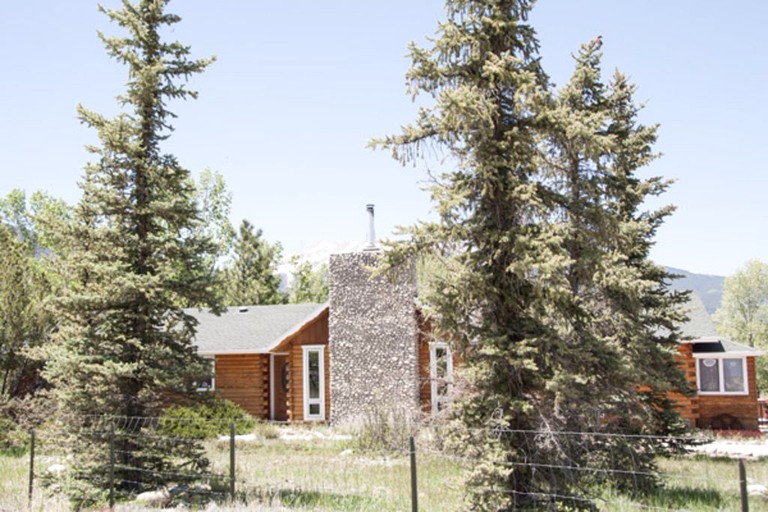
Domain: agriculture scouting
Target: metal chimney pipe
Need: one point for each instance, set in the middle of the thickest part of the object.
(371, 229)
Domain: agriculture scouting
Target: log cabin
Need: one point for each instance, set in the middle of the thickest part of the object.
(369, 349)
(331, 362)
(721, 372)
(271, 360)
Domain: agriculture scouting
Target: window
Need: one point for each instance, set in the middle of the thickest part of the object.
(440, 375)
(207, 382)
(722, 375)
(314, 382)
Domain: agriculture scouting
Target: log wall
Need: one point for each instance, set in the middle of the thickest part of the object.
(314, 333)
(742, 407)
(244, 379)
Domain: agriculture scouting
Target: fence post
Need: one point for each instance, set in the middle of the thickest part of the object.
(112, 466)
(414, 488)
(232, 461)
(743, 486)
(31, 463)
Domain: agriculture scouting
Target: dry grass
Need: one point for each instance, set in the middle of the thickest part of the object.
(318, 470)
(698, 484)
(314, 469)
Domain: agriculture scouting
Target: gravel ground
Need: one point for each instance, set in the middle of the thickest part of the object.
(737, 449)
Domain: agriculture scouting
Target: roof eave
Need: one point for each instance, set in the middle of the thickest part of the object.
(728, 354)
(240, 352)
(298, 327)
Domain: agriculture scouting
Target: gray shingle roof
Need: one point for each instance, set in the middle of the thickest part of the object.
(250, 329)
(700, 331)
(699, 322)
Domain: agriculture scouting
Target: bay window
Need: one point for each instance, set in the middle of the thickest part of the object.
(725, 375)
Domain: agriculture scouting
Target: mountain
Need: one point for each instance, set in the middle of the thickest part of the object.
(321, 252)
(708, 287)
(316, 255)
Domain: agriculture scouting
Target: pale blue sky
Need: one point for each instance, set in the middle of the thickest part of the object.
(300, 87)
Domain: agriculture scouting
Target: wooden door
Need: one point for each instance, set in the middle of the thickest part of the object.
(280, 383)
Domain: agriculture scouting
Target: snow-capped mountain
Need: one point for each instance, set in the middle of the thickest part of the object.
(316, 255)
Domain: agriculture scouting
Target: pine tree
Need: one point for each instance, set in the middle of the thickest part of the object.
(547, 292)
(491, 95)
(616, 314)
(252, 277)
(646, 312)
(125, 344)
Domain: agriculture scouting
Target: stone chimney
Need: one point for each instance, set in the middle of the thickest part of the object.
(373, 337)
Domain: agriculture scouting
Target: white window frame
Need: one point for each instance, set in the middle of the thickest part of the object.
(721, 374)
(306, 349)
(433, 378)
(213, 376)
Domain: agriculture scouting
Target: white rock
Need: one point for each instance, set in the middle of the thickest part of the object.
(154, 498)
(346, 453)
(56, 469)
(240, 437)
(757, 490)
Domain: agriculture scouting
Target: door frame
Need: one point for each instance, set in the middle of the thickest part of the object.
(272, 381)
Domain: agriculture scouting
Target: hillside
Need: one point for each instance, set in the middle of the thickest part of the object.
(709, 287)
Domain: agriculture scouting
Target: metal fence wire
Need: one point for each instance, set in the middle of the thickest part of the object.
(424, 468)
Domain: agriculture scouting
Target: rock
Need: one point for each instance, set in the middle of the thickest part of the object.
(56, 469)
(240, 437)
(346, 453)
(159, 498)
(757, 490)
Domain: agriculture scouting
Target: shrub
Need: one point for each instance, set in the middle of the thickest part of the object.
(268, 431)
(13, 439)
(385, 430)
(29, 412)
(209, 419)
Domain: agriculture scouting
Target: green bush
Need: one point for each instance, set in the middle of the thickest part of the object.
(13, 439)
(206, 420)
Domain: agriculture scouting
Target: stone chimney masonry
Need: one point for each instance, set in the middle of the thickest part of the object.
(373, 338)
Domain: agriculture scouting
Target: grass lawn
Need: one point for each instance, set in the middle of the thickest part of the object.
(327, 474)
(319, 471)
(698, 484)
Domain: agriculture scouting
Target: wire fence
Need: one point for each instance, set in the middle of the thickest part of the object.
(687, 480)
(419, 468)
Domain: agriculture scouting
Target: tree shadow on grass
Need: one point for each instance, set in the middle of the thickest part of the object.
(673, 497)
(301, 498)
